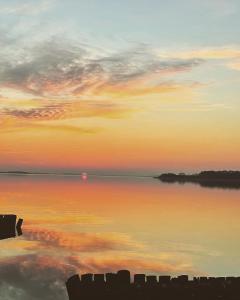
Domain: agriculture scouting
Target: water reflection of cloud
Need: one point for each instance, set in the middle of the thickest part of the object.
(135, 263)
(79, 241)
(28, 277)
(68, 220)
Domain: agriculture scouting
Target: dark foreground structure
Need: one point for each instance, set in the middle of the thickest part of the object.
(220, 179)
(9, 226)
(119, 286)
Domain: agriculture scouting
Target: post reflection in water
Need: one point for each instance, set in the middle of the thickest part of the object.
(106, 224)
(9, 226)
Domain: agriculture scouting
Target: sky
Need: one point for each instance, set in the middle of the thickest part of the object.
(121, 85)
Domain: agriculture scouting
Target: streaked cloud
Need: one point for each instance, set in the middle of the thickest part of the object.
(63, 80)
(17, 127)
(235, 65)
(227, 55)
(57, 69)
(67, 110)
(226, 52)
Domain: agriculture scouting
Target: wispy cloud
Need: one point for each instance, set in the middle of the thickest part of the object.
(67, 110)
(53, 117)
(55, 69)
(235, 65)
(204, 53)
(27, 7)
(226, 55)
(68, 79)
(71, 80)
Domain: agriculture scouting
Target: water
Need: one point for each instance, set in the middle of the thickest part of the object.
(104, 224)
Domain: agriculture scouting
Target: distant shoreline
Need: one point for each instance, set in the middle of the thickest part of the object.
(25, 173)
(222, 179)
(211, 179)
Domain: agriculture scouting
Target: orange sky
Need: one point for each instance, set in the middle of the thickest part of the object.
(136, 110)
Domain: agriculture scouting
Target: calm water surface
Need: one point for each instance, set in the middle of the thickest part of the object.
(106, 223)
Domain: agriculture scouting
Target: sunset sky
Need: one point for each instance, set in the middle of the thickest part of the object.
(131, 84)
(117, 87)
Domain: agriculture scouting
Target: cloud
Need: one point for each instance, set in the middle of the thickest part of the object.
(128, 90)
(235, 65)
(9, 125)
(227, 55)
(196, 106)
(80, 242)
(48, 112)
(67, 110)
(27, 7)
(57, 69)
(52, 117)
(204, 53)
(66, 79)
(72, 80)
(46, 127)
